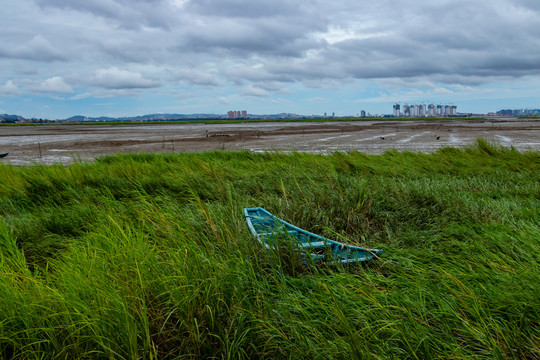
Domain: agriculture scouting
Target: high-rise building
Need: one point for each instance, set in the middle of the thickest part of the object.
(396, 110)
(421, 110)
(363, 113)
(406, 110)
(431, 110)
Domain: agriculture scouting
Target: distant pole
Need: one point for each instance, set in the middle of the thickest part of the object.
(172, 142)
(39, 147)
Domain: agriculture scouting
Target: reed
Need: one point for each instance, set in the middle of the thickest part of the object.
(148, 256)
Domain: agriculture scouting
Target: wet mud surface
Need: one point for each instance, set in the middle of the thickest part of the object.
(50, 144)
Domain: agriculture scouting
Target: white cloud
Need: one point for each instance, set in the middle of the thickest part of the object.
(224, 100)
(80, 96)
(55, 85)
(281, 101)
(9, 88)
(114, 78)
(178, 3)
(182, 94)
(251, 90)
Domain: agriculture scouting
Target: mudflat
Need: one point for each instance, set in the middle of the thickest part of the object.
(67, 143)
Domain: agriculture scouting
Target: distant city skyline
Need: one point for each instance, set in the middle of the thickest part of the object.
(60, 58)
(412, 110)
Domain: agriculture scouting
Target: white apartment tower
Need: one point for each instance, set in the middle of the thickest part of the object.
(431, 110)
(421, 110)
(406, 110)
(396, 110)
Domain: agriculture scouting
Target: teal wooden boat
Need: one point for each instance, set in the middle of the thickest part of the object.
(269, 229)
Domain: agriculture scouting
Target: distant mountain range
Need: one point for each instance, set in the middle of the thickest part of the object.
(7, 117)
(10, 118)
(150, 117)
(144, 117)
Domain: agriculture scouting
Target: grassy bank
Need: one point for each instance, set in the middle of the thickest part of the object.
(148, 256)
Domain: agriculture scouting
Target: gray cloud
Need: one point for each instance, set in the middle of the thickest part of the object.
(194, 77)
(106, 8)
(274, 37)
(264, 46)
(36, 49)
(129, 14)
(476, 41)
(245, 9)
(529, 4)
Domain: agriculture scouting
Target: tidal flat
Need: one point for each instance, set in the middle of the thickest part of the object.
(61, 143)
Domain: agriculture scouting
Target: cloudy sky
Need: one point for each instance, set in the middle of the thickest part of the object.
(60, 58)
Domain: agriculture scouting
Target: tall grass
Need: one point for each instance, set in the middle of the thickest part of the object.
(148, 256)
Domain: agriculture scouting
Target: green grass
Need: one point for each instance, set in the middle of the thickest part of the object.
(148, 256)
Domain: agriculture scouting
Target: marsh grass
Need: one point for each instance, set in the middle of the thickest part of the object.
(148, 256)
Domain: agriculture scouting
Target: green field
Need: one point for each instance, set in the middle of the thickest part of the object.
(148, 256)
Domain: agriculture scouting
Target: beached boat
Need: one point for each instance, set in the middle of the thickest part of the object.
(269, 230)
(3, 155)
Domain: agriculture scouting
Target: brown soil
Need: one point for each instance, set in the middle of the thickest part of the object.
(66, 143)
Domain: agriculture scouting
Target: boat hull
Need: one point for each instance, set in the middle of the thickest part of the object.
(269, 230)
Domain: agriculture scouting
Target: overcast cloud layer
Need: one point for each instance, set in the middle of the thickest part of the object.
(129, 57)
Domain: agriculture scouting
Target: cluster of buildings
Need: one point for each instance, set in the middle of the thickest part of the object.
(424, 110)
(234, 114)
(517, 112)
(361, 114)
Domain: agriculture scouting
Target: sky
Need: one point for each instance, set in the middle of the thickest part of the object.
(60, 58)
